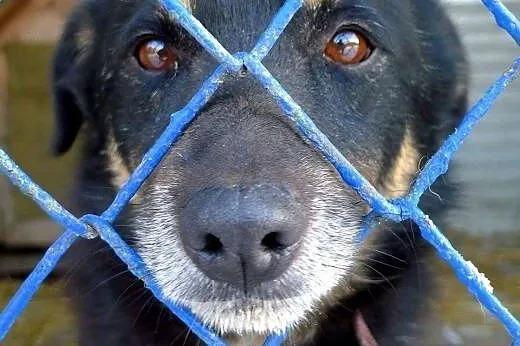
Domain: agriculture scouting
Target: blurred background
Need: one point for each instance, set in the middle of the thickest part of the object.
(485, 229)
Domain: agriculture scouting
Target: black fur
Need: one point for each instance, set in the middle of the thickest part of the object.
(416, 78)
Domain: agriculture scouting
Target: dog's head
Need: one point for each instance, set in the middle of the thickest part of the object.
(244, 222)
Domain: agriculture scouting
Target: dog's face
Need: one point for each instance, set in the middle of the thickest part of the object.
(244, 222)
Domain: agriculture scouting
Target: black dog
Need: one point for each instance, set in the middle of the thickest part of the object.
(244, 222)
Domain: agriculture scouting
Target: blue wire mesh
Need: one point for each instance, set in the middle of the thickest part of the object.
(406, 208)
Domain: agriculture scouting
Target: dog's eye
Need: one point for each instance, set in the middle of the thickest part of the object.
(348, 47)
(156, 55)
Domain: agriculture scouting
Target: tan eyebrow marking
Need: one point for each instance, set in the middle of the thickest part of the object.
(313, 3)
(188, 4)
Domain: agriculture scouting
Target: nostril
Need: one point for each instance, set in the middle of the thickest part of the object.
(212, 244)
(273, 242)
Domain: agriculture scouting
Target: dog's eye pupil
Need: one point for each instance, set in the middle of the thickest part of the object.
(348, 47)
(156, 55)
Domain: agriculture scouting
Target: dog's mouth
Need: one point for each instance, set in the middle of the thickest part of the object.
(274, 306)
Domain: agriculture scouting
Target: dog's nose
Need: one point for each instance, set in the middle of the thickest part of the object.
(242, 236)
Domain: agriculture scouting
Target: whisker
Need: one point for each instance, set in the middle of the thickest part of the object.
(187, 336)
(157, 322)
(335, 267)
(359, 279)
(389, 255)
(101, 283)
(147, 301)
(386, 279)
(122, 294)
(383, 263)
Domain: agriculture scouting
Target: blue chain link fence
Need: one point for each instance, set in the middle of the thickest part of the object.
(406, 208)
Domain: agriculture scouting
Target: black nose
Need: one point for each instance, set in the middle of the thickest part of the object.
(243, 236)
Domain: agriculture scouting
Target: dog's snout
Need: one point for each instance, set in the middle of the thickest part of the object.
(243, 236)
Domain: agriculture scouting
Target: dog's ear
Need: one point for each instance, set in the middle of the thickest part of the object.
(69, 79)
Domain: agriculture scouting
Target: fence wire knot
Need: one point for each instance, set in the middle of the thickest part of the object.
(91, 226)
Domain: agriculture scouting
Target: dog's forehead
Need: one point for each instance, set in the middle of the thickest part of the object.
(309, 4)
(192, 4)
(239, 12)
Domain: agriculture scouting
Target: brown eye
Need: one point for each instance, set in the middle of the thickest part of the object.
(156, 55)
(348, 47)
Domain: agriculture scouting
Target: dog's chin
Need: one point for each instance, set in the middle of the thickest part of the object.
(253, 316)
(272, 307)
(275, 306)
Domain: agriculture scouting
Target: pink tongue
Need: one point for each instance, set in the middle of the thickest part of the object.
(363, 333)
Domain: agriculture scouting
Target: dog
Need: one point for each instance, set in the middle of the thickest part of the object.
(244, 222)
